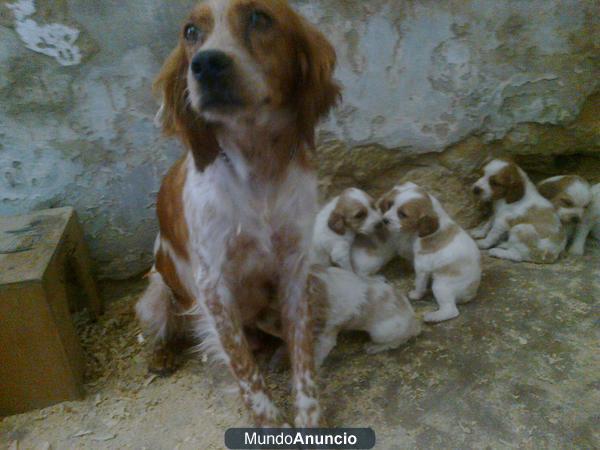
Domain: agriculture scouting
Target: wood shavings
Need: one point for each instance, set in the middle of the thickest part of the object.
(82, 433)
(150, 379)
(103, 437)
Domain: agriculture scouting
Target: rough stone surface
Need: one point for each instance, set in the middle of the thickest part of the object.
(517, 369)
(419, 77)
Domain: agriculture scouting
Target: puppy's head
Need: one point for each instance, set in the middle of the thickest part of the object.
(501, 179)
(248, 61)
(408, 209)
(354, 211)
(569, 194)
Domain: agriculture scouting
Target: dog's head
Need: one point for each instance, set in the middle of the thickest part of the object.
(569, 194)
(247, 61)
(501, 179)
(354, 211)
(408, 209)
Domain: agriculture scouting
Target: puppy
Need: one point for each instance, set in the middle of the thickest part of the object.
(524, 225)
(341, 300)
(370, 253)
(578, 209)
(443, 251)
(337, 225)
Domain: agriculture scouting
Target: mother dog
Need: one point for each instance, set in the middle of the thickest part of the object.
(243, 90)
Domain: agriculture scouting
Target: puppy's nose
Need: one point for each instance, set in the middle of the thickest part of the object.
(210, 65)
(477, 190)
(386, 221)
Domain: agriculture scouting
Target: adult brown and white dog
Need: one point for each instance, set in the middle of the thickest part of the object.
(244, 90)
(524, 225)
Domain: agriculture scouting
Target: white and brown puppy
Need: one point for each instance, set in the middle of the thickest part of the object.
(371, 252)
(524, 225)
(578, 209)
(344, 301)
(337, 225)
(443, 252)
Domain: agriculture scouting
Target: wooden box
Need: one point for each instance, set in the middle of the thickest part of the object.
(41, 361)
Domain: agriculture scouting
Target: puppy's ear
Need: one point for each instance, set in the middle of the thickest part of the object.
(515, 187)
(317, 90)
(384, 203)
(336, 222)
(549, 189)
(428, 224)
(176, 117)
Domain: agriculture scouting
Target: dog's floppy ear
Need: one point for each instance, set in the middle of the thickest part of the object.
(385, 202)
(427, 224)
(317, 90)
(549, 189)
(336, 222)
(176, 117)
(515, 187)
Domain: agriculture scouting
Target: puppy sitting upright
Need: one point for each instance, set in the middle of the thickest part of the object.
(524, 225)
(442, 250)
(578, 210)
(338, 223)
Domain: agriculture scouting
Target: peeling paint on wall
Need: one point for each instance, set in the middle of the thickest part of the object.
(55, 40)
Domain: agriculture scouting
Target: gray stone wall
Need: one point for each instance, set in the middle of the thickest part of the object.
(430, 87)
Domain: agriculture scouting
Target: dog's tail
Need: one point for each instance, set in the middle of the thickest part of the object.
(153, 309)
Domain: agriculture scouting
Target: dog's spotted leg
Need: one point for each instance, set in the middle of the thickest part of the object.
(298, 331)
(229, 341)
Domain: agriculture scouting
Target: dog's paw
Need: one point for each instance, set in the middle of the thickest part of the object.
(576, 251)
(372, 349)
(163, 362)
(416, 295)
(483, 244)
(477, 233)
(440, 315)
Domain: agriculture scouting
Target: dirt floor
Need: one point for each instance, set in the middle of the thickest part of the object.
(520, 368)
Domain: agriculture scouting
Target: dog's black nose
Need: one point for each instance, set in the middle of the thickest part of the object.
(477, 190)
(210, 65)
(386, 221)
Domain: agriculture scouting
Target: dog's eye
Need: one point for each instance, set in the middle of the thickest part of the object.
(401, 214)
(493, 182)
(260, 20)
(192, 33)
(360, 215)
(567, 203)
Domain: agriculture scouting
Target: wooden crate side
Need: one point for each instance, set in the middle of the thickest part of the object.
(35, 370)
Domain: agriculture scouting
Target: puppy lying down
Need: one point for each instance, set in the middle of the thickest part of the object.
(341, 300)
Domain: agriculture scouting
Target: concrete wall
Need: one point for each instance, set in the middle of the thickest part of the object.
(430, 87)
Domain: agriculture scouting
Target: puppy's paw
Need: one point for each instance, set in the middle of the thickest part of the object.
(416, 295)
(576, 251)
(483, 244)
(372, 349)
(440, 315)
(476, 233)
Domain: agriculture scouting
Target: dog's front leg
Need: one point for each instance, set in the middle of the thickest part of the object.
(497, 232)
(227, 335)
(481, 231)
(298, 332)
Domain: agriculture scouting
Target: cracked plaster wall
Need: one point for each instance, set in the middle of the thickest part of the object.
(429, 88)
